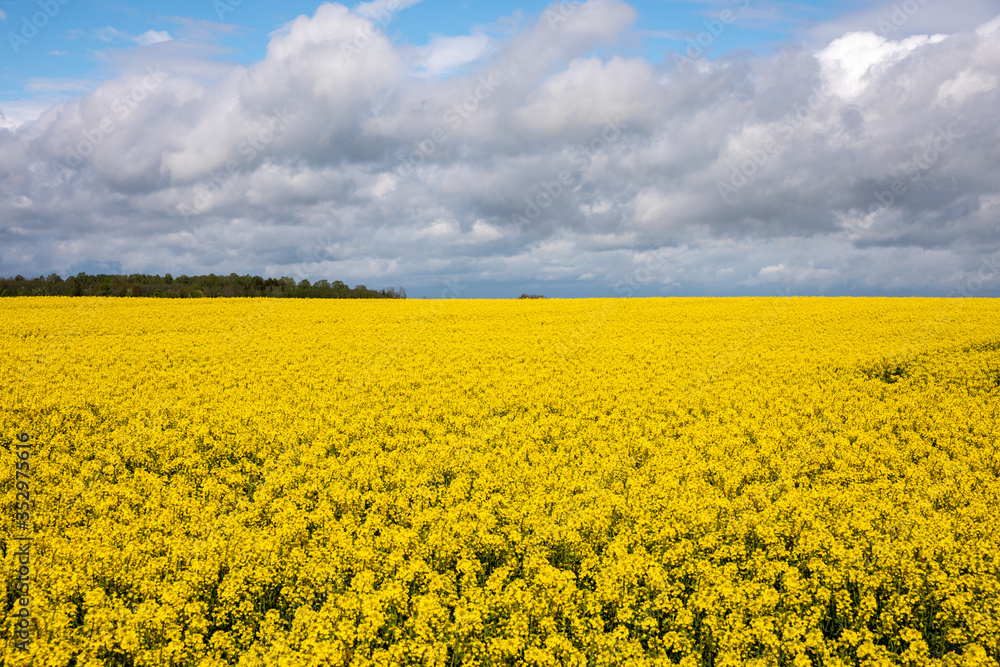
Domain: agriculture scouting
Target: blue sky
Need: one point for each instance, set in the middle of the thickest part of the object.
(74, 51)
(569, 148)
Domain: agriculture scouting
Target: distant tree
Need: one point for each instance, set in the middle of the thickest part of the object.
(139, 284)
(120, 286)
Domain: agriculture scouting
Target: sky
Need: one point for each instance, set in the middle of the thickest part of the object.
(482, 150)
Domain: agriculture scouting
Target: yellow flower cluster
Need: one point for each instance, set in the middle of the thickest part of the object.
(760, 481)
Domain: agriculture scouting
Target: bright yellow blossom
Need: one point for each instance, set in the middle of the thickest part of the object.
(597, 482)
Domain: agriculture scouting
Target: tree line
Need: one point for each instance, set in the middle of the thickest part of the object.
(233, 285)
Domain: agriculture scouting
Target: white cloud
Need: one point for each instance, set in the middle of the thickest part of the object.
(327, 161)
(769, 270)
(110, 34)
(989, 28)
(851, 62)
(967, 83)
(152, 37)
(447, 53)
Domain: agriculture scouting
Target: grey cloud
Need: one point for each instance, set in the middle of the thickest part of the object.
(858, 164)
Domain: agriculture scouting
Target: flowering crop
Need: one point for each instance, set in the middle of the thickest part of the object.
(529, 482)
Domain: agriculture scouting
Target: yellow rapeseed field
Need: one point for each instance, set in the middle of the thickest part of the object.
(759, 481)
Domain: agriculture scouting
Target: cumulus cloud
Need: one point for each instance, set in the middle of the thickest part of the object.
(863, 163)
(849, 62)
